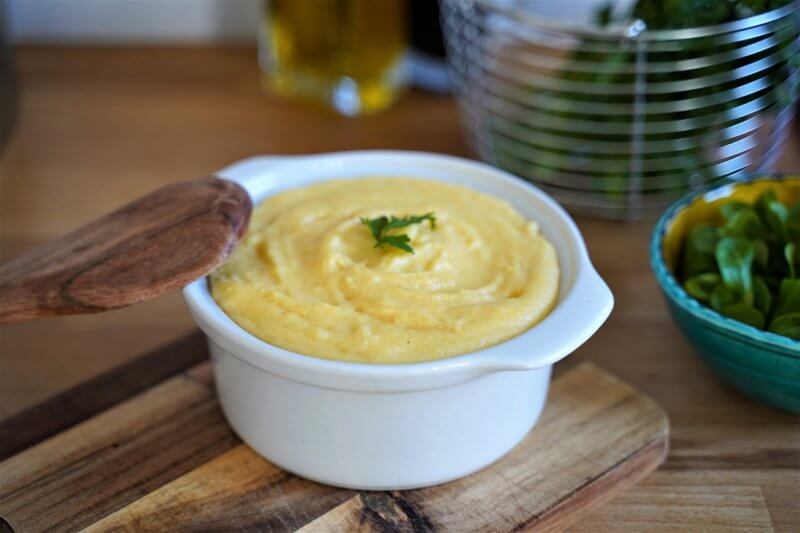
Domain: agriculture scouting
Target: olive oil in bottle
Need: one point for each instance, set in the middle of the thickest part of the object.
(346, 54)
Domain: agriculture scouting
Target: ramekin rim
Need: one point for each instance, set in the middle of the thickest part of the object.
(223, 330)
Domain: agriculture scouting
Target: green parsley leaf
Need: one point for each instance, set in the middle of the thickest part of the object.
(398, 241)
(376, 226)
(395, 222)
(379, 226)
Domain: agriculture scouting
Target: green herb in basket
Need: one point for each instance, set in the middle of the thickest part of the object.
(748, 267)
(570, 130)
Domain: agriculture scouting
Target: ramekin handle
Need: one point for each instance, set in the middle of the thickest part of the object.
(585, 308)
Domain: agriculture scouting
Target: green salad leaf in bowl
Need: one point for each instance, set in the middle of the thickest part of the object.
(747, 266)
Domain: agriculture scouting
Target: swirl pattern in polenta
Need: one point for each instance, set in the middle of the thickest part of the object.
(307, 277)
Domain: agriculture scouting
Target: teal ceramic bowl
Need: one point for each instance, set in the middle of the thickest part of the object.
(762, 365)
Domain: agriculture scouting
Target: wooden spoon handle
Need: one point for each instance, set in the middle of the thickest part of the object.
(154, 245)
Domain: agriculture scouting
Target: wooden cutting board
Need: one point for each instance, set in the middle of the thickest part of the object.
(148, 449)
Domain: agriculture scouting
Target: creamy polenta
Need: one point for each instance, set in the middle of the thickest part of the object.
(307, 277)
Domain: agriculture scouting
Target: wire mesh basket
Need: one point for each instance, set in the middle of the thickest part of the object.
(620, 121)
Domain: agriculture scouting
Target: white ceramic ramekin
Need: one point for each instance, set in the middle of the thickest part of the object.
(406, 425)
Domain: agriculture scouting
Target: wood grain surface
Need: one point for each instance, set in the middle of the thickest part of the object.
(99, 126)
(164, 460)
(90, 470)
(152, 245)
(36, 423)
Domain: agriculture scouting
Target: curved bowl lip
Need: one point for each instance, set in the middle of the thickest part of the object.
(597, 300)
(675, 292)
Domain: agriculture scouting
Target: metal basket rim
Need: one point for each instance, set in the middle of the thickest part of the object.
(647, 35)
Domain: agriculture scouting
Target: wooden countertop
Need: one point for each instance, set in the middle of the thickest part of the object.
(100, 126)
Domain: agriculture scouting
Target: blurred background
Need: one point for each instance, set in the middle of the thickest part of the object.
(384, 42)
(615, 108)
